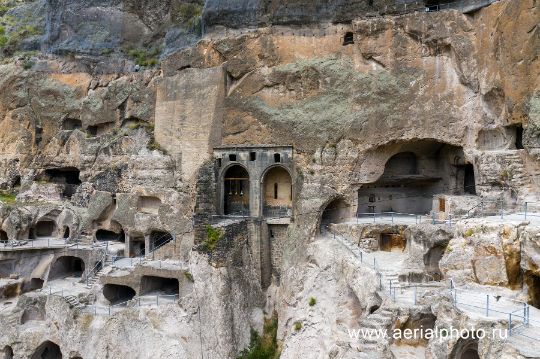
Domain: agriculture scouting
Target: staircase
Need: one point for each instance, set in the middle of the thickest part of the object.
(73, 301)
(374, 347)
(94, 279)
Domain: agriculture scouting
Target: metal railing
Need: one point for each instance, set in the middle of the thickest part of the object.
(399, 217)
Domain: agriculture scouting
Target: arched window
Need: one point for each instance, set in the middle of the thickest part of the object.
(236, 191)
(277, 193)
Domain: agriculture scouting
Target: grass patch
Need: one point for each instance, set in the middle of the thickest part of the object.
(468, 233)
(7, 197)
(145, 57)
(186, 14)
(213, 236)
(298, 326)
(265, 346)
(312, 301)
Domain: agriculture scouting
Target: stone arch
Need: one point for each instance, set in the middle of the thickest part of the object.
(277, 191)
(465, 348)
(335, 211)
(116, 293)
(235, 194)
(47, 350)
(67, 266)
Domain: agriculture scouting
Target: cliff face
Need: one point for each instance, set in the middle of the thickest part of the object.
(133, 97)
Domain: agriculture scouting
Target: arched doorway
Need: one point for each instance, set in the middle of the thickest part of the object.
(236, 191)
(469, 183)
(337, 211)
(277, 193)
(465, 349)
(7, 352)
(116, 293)
(47, 350)
(67, 266)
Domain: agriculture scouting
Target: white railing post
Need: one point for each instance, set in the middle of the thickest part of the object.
(487, 305)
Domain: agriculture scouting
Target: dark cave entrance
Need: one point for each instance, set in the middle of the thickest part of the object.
(159, 285)
(103, 235)
(68, 176)
(3, 236)
(137, 247)
(67, 266)
(159, 239)
(71, 124)
(43, 229)
(348, 39)
(7, 352)
(519, 137)
(116, 293)
(533, 284)
(465, 349)
(47, 350)
(469, 183)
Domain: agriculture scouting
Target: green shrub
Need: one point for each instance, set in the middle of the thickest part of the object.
(213, 236)
(312, 301)
(7, 197)
(265, 346)
(186, 14)
(145, 57)
(469, 232)
(297, 326)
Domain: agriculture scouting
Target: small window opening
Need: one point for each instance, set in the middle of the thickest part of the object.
(218, 162)
(252, 156)
(232, 157)
(275, 190)
(277, 158)
(348, 39)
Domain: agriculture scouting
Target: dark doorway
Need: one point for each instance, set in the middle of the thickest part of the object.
(519, 137)
(66, 232)
(236, 191)
(348, 39)
(44, 229)
(47, 350)
(136, 246)
(159, 239)
(116, 293)
(103, 235)
(3, 236)
(159, 285)
(469, 183)
(392, 241)
(33, 284)
(533, 285)
(465, 349)
(67, 266)
(71, 124)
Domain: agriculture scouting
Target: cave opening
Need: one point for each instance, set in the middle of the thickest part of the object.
(348, 39)
(389, 242)
(469, 183)
(466, 348)
(533, 285)
(159, 239)
(33, 284)
(8, 352)
(159, 285)
(519, 137)
(67, 266)
(47, 350)
(66, 232)
(71, 124)
(67, 176)
(43, 229)
(137, 245)
(337, 211)
(116, 293)
(103, 235)
(3, 236)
